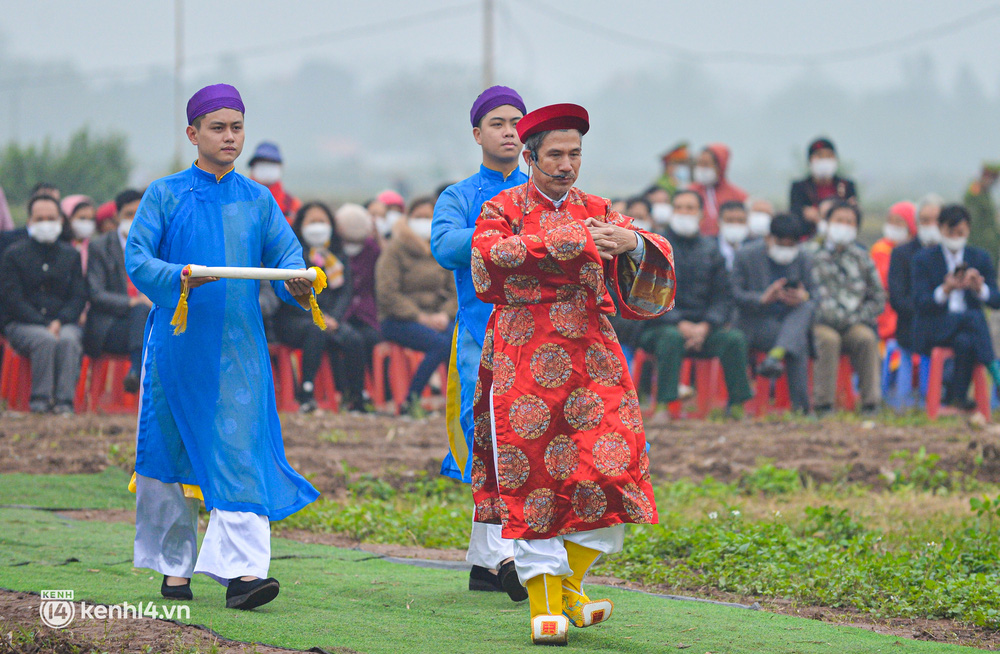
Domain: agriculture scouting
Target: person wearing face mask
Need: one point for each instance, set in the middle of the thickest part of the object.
(494, 116)
(697, 327)
(417, 300)
(733, 230)
(711, 183)
(116, 320)
(266, 167)
(660, 209)
(81, 223)
(759, 212)
(387, 208)
(344, 346)
(900, 226)
(361, 251)
(44, 295)
(850, 298)
(676, 169)
(774, 293)
(952, 283)
(821, 183)
(900, 280)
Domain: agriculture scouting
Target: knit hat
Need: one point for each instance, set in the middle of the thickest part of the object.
(908, 212)
(354, 223)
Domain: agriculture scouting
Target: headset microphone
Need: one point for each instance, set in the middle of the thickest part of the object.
(538, 167)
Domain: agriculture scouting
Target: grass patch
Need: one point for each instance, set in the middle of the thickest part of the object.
(343, 598)
(104, 490)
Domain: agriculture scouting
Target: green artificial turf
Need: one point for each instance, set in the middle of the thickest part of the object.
(334, 598)
(105, 490)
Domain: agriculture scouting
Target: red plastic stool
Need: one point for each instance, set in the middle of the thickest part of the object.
(935, 384)
(846, 398)
(325, 390)
(107, 392)
(761, 403)
(15, 379)
(707, 380)
(284, 380)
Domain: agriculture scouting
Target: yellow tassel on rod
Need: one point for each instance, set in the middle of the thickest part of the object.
(180, 319)
(318, 285)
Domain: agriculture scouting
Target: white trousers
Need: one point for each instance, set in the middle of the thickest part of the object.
(547, 556)
(487, 548)
(236, 543)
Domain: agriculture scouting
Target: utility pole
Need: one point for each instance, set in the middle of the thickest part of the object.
(487, 43)
(178, 84)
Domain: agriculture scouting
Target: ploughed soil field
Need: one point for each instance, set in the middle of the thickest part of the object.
(331, 449)
(327, 447)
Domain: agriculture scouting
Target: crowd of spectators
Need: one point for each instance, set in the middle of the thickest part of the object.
(767, 293)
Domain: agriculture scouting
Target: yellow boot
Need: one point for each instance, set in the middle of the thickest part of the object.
(580, 609)
(548, 626)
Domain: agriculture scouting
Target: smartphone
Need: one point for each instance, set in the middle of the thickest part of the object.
(960, 269)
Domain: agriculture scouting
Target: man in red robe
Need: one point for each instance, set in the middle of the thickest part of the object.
(560, 453)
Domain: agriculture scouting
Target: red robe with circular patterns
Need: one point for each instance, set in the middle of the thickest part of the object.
(570, 451)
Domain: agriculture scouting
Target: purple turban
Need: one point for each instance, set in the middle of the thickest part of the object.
(212, 98)
(493, 97)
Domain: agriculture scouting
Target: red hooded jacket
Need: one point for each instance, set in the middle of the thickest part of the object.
(716, 196)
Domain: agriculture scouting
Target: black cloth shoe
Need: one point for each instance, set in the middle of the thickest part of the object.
(176, 592)
(481, 578)
(770, 367)
(823, 410)
(131, 383)
(246, 595)
(510, 582)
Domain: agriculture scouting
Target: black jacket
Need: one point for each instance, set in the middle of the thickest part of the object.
(703, 293)
(803, 193)
(332, 301)
(42, 283)
(108, 289)
(901, 297)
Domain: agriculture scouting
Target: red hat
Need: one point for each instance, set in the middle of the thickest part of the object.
(106, 210)
(908, 212)
(554, 116)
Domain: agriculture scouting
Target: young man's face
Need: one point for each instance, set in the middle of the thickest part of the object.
(219, 137)
(497, 134)
(128, 211)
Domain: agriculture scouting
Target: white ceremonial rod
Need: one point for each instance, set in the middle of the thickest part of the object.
(233, 272)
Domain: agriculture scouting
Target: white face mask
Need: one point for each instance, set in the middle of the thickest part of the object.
(83, 228)
(822, 228)
(316, 235)
(266, 172)
(759, 223)
(384, 225)
(46, 231)
(954, 243)
(124, 227)
(684, 225)
(661, 213)
(823, 167)
(734, 233)
(639, 223)
(353, 249)
(782, 254)
(895, 233)
(929, 234)
(705, 175)
(421, 227)
(841, 234)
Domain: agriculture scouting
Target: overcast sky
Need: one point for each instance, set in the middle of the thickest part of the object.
(535, 44)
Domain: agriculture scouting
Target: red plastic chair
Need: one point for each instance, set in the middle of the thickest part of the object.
(107, 391)
(846, 397)
(935, 384)
(15, 381)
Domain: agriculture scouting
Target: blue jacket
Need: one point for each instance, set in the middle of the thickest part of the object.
(455, 216)
(933, 323)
